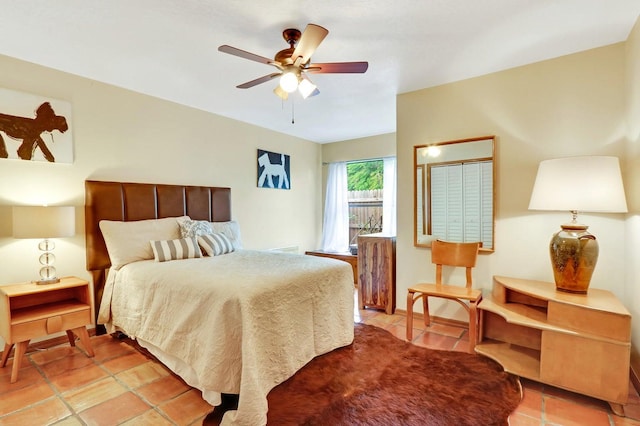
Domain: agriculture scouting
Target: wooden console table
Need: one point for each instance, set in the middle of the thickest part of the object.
(347, 257)
(578, 342)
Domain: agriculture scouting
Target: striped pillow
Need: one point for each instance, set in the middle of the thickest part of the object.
(215, 244)
(184, 248)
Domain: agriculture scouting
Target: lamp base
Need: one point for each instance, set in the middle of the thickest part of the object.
(46, 281)
(574, 253)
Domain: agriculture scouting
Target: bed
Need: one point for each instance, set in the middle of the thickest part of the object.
(236, 321)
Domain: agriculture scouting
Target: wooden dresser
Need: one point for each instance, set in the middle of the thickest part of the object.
(578, 342)
(377, 272)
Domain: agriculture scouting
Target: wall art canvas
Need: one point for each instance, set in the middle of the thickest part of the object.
(35, 128)
(274, 170)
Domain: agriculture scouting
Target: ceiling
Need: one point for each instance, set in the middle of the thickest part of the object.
(168, 49)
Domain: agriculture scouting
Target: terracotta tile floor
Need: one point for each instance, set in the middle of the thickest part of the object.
(119, 385)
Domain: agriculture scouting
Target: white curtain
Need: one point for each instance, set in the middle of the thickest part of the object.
(335, 231)
(389, 196)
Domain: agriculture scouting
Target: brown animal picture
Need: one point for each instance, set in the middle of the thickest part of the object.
(29, 131)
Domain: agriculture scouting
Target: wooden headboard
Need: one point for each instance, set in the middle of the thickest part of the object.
(126, 201)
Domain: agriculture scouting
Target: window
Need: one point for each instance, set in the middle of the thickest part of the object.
(365, 184)
(357, 195)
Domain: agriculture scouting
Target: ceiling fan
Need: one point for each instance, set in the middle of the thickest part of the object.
(295, 62)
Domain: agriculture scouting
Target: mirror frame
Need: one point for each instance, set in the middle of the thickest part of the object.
(425, 193)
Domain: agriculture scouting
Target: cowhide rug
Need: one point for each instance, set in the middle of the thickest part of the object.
(382, 380)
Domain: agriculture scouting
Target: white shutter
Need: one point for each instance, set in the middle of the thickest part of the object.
(455, 203)
(486, 208)
(438, 201)
(472, 202)
(461, 202)
(420, 213)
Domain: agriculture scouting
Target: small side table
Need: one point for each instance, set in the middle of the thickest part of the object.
(28, 310)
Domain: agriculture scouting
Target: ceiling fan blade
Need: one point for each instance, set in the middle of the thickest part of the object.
(246, 55)
(338, 67)
(257, 81)
(308, 43)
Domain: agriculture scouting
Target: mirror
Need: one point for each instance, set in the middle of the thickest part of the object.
(454, 196)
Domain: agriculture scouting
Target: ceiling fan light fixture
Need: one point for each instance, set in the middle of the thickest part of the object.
(306, 88)
(289, 81)
(281, 93)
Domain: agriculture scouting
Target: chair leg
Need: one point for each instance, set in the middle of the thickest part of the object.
(409, 316)
(425, 309)
(473, 325)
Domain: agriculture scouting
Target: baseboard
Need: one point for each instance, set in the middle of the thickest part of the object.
(634, 373)
(418, 316)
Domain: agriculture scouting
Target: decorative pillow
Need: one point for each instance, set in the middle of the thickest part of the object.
(231, 230)
(215, 244)
(129, 241)
(184, 248)
(193, 228)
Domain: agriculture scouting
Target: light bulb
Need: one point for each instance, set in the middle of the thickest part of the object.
(433, 151)
(289, 82)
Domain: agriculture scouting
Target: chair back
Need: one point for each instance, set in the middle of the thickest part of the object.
(454, 254)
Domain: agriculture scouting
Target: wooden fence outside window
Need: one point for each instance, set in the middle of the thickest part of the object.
(365, 213)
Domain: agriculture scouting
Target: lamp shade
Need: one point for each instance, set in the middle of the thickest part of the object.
(43, 222)
(306, 88)
(585, 184)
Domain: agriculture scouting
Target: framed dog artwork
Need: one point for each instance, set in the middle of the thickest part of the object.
(274, 170)
(35, 128)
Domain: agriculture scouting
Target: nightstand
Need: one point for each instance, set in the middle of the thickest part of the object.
(28, 310)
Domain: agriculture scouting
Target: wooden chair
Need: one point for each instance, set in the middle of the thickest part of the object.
(445, 253)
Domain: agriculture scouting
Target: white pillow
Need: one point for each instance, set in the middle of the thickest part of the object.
(231, 230)
(192, 228)
(129, 241)
(184, 248)
(215, 244)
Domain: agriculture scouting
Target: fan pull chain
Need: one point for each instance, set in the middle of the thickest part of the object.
(293, 119)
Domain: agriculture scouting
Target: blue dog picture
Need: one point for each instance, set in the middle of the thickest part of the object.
(273, 170)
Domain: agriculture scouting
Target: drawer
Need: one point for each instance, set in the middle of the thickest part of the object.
(586, 365)
(54, 324)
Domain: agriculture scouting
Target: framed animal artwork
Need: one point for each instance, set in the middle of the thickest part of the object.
(274, 170)
(35, 128)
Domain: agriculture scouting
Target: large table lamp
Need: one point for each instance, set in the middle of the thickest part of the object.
(44, 223)
(577, 184)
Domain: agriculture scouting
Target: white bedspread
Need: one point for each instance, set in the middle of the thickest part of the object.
(244, 321)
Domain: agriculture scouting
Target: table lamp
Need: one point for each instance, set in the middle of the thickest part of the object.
(577, 184)
(46, 223)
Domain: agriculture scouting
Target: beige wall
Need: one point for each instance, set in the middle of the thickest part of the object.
(573, 105)
(632, 180)
(379, 146)
(121, 135)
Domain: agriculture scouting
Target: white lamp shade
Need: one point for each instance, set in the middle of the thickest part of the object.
(584, 184)
(306, 88)
(44, 222)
